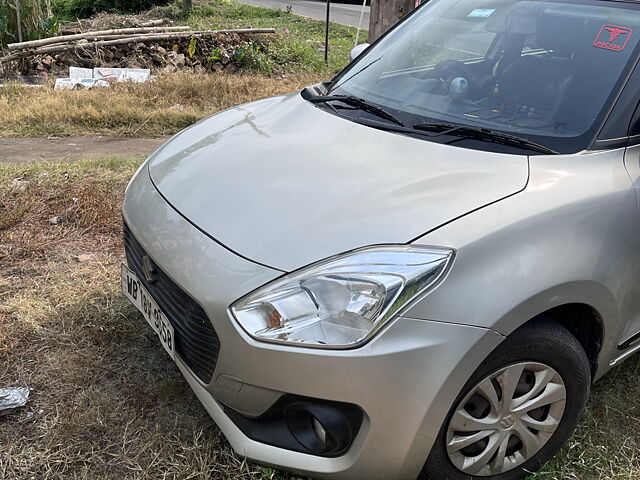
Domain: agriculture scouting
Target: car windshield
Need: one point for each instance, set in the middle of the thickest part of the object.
(539, 70)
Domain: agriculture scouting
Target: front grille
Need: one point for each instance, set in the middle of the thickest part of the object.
(195, 339)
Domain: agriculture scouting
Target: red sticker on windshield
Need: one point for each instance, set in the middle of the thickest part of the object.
(613, 38)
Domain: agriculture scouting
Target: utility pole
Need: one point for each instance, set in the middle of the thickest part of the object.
(326, 34)
(385, 13)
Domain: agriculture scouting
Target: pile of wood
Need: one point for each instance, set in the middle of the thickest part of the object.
(110, 21)
(92, 41)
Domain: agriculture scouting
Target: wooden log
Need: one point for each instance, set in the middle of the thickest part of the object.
(98, 38)
(155, 23)
(131, 39)
(79, 36)
(188, 34)
(109, 40)
(150, 23)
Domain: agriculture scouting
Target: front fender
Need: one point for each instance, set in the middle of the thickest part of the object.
(572, 236)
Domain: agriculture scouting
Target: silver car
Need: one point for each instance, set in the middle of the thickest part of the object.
(418, 268)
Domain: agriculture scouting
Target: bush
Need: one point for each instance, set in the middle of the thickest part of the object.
(36, 20)
(87, 8)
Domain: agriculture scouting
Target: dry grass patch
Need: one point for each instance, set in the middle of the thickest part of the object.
(107, 402)
(163, 107)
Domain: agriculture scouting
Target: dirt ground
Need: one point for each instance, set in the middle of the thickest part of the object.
(22, 149)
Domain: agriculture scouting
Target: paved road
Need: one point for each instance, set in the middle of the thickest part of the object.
(19, 149)
(343, 13)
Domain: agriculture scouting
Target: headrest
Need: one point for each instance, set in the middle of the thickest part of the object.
(563, 34)
(514, 24)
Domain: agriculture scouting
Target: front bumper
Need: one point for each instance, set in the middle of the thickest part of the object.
(404, 380)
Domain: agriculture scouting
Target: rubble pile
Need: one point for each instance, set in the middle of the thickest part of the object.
(150, 45)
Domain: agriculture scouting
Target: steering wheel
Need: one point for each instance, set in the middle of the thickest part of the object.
(454, 77)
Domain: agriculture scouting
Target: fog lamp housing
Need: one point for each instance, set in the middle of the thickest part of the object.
(301, 424)
(319, 428)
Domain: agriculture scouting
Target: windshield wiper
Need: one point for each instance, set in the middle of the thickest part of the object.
(440, 128)
(484, 134)
(359, 103)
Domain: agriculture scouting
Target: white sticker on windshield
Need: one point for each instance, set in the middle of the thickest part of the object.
(481, 13)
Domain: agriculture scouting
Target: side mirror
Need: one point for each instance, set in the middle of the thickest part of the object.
(357, 51)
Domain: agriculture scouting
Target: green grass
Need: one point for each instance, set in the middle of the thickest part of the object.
(116, 166)
(297, 46)
(606, 445)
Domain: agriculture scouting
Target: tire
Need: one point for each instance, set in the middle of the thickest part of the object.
(542, 343)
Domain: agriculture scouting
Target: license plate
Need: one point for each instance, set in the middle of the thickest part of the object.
(137, 294)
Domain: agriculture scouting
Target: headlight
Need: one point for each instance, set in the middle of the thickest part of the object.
(341, 302)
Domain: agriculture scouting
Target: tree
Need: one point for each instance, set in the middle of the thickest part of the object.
(385, 13)
(187, 6)
(33, 16)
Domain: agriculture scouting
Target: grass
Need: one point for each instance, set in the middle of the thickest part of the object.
(107, 402)
(163, 107)
(606, 445)
(298, 44)
(292, 59)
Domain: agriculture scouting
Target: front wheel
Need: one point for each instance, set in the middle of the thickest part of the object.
(517, 409)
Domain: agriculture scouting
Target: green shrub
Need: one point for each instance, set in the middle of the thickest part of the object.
(36, 20)
(86, 8)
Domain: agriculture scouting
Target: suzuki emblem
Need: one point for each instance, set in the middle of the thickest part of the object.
(149, 269)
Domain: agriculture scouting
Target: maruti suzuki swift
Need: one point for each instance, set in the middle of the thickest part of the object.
(418, 268)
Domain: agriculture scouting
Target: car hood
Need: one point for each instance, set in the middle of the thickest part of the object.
(285, 184)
